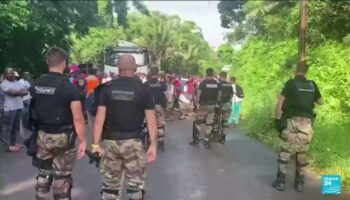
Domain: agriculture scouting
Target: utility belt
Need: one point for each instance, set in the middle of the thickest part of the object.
(282, 123)
(56, 129)
(31, 143)
(208, 103)
(225, 100)
(110, 134)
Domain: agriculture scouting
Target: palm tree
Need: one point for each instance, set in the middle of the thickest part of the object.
(110, 8)
(159, 36)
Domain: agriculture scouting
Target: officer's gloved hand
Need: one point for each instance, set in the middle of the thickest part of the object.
(280, 125)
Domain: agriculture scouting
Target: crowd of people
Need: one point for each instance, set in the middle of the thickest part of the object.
(60, 100)
(127, 107)
(15, 98)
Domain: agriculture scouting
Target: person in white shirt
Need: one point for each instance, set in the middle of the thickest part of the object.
(106, 77)
(13, 105)
(237, 99)
(25, 82)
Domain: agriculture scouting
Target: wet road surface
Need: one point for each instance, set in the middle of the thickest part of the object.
(242, 169)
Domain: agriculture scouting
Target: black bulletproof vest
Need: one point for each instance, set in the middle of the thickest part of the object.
(52, 106)
(209, 95)
(125, 111)
(226, 91)
(157, 91)
(302, 102)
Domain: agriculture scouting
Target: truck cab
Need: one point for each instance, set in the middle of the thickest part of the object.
(142, 56)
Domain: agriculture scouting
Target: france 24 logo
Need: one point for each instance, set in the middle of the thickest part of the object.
(331, 184)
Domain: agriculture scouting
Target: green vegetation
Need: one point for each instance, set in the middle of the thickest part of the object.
(86, 28)
(268, 57)
(177, 45)
(266, 30)
(28, 28)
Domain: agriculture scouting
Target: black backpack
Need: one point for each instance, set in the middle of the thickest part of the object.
(239, 92)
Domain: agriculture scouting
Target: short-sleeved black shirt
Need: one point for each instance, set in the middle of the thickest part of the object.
(126, 100)
(209, 92)
(226, 91)
(293, 104)
(157, 88)
(52, 95)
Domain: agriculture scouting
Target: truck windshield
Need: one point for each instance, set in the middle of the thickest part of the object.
(112, 58)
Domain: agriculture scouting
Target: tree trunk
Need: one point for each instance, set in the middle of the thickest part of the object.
(302, 38)
(158, 63)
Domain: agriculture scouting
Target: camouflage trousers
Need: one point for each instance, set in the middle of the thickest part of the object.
(226, 111)
(53, 149)
(160, 122)
(126, 157)
(296, 139)
(204, 121)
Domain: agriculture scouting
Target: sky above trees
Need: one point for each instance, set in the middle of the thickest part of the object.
(204, 13)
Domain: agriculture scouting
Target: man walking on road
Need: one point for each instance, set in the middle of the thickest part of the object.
(56, 104)
(159, 92)
(207, 98)
(294, 118)
(225, 96)
(123, 105)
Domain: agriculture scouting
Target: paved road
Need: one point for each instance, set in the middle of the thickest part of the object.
(243, 169)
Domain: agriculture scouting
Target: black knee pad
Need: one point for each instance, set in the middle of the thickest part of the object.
(195, 132)
(44, 183)
(135, 194)
(282, 162)
(107, 194)
(60, 191)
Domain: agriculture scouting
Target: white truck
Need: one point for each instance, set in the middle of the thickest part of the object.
(142, 56)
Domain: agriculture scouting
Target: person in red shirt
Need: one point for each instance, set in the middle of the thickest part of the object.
(177, 92)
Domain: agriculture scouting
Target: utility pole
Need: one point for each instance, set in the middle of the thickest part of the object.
(302, 36)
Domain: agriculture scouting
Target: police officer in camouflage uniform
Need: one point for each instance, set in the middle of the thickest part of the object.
(122, 107)
(207, 98)
(294, 118)
(225, 96)
(59, 116)
(159, 91)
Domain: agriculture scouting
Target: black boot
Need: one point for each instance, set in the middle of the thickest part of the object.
(299, 181)
(280, 181)
(206, 144)
(161, 146)
(195, 135)
(223, 139)
(142, 198)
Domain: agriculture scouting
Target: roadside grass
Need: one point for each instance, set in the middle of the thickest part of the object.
(329, 151)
